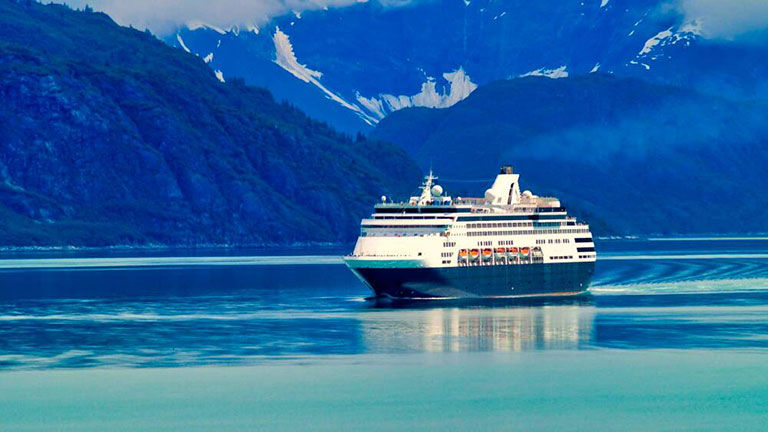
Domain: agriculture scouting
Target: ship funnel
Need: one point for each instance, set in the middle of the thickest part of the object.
(505, 189)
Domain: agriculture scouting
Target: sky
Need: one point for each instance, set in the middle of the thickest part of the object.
(719, 19)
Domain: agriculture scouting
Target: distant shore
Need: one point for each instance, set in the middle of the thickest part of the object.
(331, 245)
(163, 247)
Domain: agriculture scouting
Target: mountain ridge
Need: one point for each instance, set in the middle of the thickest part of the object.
(110, 137)
(379, 58)
(631, 156)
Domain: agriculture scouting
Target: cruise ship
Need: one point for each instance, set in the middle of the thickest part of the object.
(506, 244)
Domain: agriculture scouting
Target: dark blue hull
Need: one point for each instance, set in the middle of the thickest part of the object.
(531, 280)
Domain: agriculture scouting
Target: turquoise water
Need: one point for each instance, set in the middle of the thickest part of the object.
(674, 337)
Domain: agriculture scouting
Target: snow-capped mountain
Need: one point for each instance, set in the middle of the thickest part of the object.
(353, 66)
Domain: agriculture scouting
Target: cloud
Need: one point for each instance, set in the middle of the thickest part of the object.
(727, 19)
(165, 16)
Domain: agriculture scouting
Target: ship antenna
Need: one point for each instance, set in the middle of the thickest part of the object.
(426, 190)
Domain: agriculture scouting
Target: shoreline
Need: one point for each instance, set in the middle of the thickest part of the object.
(162, 247)
(333, 245)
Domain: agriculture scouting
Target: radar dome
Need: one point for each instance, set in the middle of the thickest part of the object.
(383, 198)
(437, 190)
(489, 196)
(528, 194)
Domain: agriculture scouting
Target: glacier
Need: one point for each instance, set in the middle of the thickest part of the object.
(286, 59)
(460, 86)
(561, 72)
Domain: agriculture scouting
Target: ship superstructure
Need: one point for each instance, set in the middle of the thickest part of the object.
(508, 243)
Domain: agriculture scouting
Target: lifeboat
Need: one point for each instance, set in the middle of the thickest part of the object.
(499, 252)
(525, 251)
(512, 253)
(537, 252)
(487, 253)
(474, 254)
(463, 254)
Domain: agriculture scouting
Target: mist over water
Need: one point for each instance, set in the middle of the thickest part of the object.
(82, 312)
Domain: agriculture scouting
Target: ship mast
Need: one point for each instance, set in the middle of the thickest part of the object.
(426, 190)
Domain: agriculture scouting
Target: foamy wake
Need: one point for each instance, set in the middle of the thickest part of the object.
(685, 287)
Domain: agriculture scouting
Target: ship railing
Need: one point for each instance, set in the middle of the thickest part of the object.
(470, 201)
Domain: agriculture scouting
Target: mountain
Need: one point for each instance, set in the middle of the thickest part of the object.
(354, 65)
(108, 136)
(630, 156)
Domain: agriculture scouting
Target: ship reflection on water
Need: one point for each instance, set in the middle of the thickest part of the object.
(420, 328)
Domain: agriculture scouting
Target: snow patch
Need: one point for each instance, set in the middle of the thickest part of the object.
(182, 44)
(196, 25)
(460, 86)
(595, 68)
(687, 32)
(286, 59)
(561, 72)
(208, 58)
(373, 105)
(466, 2)
(652, 42)
(219, 75)
(604, 3)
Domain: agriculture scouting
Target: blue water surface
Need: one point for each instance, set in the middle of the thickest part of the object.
(673, 336)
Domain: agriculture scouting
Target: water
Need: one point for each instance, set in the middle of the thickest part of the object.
(674, 336)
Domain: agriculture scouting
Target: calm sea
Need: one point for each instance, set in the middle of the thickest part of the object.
(673, 337)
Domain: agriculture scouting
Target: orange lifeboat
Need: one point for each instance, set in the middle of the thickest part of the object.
(499, 252)
(463, 255)
(487, 253)
(474, 254)
(525, 251)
